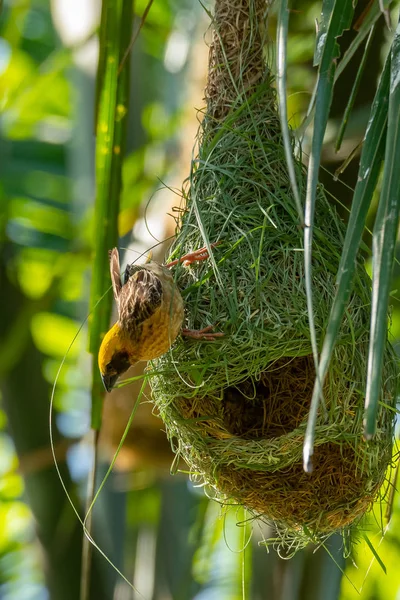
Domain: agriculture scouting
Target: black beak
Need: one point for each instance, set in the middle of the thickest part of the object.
(109, 381)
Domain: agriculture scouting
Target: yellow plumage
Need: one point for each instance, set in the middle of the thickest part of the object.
(150, 316)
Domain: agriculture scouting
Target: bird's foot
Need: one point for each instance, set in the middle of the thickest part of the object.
(191, 257)
(202, 334)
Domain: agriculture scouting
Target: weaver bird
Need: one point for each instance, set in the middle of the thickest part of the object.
(150, 315)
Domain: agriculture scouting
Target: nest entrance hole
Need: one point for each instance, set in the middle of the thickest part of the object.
(273, 406)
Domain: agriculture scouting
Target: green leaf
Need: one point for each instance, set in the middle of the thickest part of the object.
(383, 244)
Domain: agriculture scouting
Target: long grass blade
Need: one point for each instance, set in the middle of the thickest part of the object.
(323, 26)
(135, 35)
(101, 64)
(87, 547)
(370, 164)
(110, 143)
(340, 19)
(354, 91)
(375, 553)
(383, 244)
(327, 7)
(363, 27)
(283, 25)
(372, 155)
(111, 111)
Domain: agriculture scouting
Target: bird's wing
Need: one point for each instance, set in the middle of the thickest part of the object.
(141, 295)
(115, 273)
(129, 271)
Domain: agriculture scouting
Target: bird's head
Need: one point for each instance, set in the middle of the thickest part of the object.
(114, 357)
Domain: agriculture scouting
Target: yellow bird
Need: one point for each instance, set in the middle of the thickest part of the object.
(150, 315)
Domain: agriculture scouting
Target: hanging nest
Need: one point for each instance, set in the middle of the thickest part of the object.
(236, 408)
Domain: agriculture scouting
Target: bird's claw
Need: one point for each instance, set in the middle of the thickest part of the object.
(191, 257)
(202, 334)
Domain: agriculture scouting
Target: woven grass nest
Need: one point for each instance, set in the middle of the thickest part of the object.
(236, 408)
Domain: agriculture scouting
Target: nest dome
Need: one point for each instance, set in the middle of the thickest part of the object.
(236, 408)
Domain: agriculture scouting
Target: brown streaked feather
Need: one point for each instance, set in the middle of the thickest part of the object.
(140, 297)
(129, 271)
(115, 272)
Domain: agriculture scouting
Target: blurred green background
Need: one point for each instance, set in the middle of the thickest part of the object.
(169, 540)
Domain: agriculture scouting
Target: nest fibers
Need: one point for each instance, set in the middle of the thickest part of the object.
(236, 409)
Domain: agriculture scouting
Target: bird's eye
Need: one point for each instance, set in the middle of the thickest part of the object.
(118, 364)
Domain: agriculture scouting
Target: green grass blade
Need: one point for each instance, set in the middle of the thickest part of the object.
(372, 154)
(283, 24)
(87, 548)
(111, 125)
(370, 164)
(340, 19)
(111, 110)
(327, 7)
(383, 244)
(354, 91)
(364, 29)
(374, 552)
(326, 13)
(101, 64)
(135, 35)
(368, 22)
